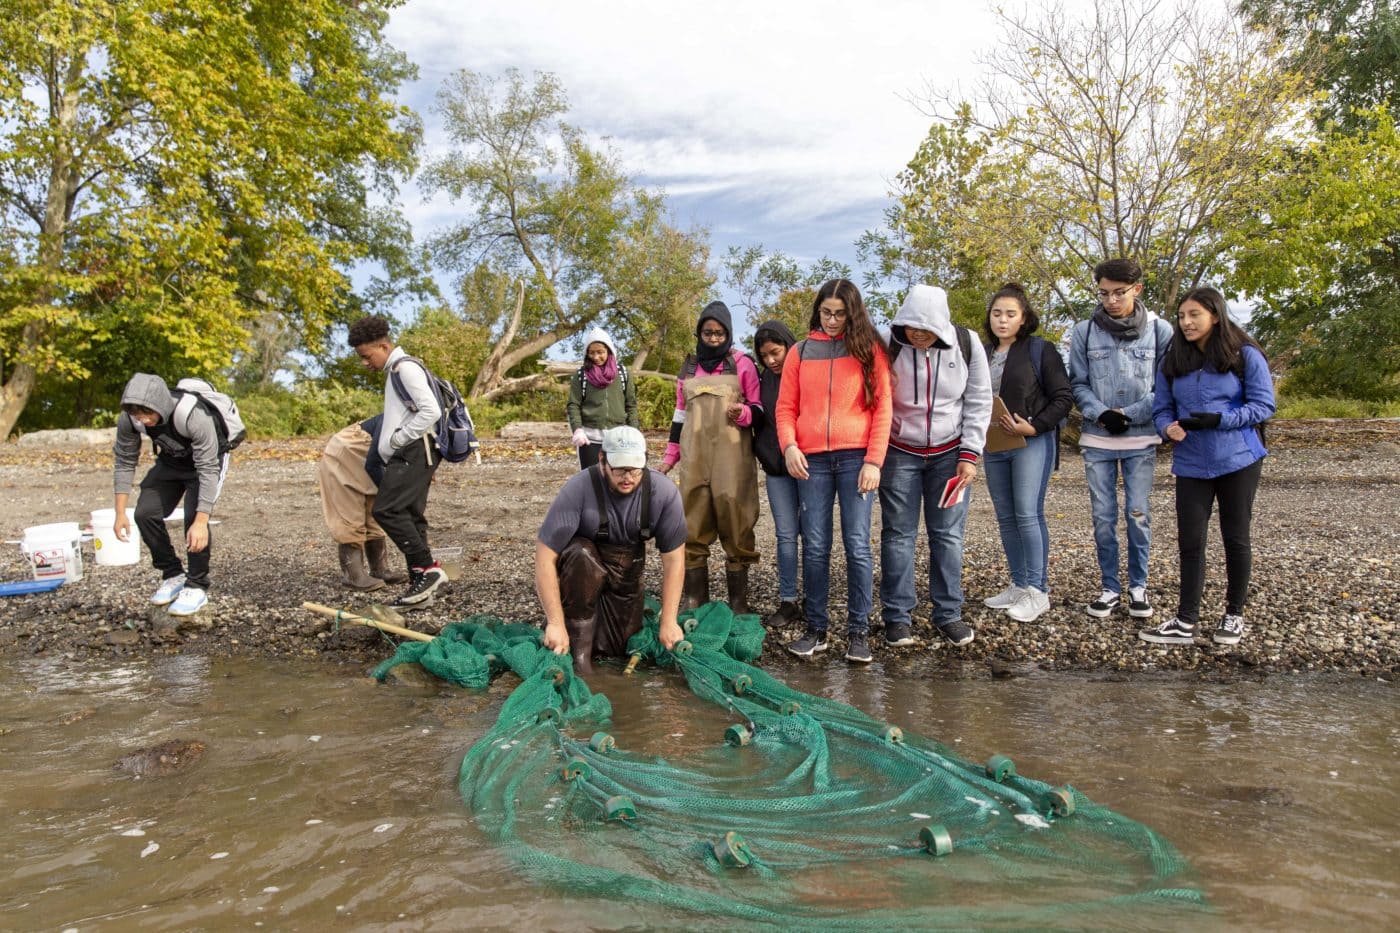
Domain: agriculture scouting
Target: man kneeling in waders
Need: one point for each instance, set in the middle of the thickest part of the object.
(591, 551)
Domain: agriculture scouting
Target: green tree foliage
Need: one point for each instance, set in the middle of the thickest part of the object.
(1323, 252)
(1136, 131)
(557, 235)
(172, 171)
(774, 286)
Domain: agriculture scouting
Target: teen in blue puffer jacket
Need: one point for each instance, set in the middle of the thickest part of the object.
(1213, 392)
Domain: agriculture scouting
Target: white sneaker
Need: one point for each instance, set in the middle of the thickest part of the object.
(1005, 599)
(1031, 606)
(190, 601)
(168, 590)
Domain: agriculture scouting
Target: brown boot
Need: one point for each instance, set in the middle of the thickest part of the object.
(581, 635)
(352, 569)
(697, 588)
(378, 553)
(738, 582)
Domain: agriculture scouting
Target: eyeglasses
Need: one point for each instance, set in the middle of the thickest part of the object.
(833, 315)
(627, 472)
(714, 333)
(1118, 294)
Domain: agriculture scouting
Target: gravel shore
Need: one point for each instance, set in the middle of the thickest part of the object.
(1324, 594)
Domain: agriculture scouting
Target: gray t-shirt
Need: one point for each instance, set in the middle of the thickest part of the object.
(997, 364)
(574, 513)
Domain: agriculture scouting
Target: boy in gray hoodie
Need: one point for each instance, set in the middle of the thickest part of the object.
(942, 393)
(188, 467)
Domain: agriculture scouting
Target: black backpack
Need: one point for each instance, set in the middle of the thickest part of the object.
(455, 433)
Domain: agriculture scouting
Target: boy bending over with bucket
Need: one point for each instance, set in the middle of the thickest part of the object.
(189, 466)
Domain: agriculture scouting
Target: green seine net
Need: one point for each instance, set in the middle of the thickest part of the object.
(805, 813)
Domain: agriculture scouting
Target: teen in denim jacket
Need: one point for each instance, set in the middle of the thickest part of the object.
(1213, 392)
(1113, 358)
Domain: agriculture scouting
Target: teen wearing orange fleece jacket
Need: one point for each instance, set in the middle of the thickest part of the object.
(833, 426)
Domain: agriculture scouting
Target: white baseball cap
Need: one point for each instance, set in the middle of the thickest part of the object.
(625, 447)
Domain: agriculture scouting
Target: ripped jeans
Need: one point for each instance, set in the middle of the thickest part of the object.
(1101, 468)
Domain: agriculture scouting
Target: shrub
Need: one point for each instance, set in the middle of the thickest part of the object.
(656, 402)
(1312, 406)
(307, 409)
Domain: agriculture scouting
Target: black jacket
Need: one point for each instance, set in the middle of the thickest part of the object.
(1043, 406)
(765, 426)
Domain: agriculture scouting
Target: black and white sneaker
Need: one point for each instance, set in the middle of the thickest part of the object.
(1138, 606)
(858, 648)
(1171, 632)
(957, 631)
(422, 583)
(898, 635)
(1229, 631)
(808, 645)
(1103, 607)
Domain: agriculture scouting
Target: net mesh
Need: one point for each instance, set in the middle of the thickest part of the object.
(805, 813)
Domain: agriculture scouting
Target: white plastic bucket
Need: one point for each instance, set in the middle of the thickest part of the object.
(54, 551)
(111, 551)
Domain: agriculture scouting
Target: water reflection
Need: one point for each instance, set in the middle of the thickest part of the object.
(325, 798)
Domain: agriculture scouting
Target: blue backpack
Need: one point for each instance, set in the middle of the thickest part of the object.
(456, 435)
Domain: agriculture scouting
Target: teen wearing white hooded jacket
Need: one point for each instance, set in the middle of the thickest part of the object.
(942, 406)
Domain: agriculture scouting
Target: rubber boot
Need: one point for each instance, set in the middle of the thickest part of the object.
(697, 588)
(581, 632)
(378, 553)
(738, 583)
(352, 569)
(785, 614)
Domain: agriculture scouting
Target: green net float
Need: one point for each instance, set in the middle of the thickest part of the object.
(576, 769)
(1060, 801)
(999, 768)
(935, 840)
(620, 809)
(790, 708)
(738, 736)
(549, 713)
(689, 625)
(732, 851)
(894, 735)
(741, 684)
(602, 742)
(682, 649)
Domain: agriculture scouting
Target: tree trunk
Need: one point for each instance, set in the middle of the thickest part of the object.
(19, 387)
(489, 376)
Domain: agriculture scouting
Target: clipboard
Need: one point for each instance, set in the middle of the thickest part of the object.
(997, 438)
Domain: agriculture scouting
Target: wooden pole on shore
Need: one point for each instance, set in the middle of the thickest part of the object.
(344, 616)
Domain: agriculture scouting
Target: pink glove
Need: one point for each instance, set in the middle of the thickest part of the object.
(580, 438)
(673, 453)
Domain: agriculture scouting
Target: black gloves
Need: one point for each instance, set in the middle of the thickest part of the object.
(1114, 421)
(1200, 421)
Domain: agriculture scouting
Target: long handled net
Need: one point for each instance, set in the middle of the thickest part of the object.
(804, 813)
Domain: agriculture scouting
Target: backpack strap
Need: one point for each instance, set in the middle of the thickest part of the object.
(645, 529)
(1035, 346)
(595, 473)
(397, 381)
(964, 344)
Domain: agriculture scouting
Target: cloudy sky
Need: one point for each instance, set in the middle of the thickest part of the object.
(778, 122)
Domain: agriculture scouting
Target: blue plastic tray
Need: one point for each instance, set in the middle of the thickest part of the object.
(30, 586)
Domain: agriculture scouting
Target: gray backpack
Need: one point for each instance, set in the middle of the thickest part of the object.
(228, 424)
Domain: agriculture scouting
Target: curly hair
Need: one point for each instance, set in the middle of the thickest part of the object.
(368, 329)
(861, 336)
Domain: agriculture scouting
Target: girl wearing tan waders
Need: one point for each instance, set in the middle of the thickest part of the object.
(716, 399)
(349, 474)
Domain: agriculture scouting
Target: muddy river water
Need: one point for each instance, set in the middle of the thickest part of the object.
(324, 800)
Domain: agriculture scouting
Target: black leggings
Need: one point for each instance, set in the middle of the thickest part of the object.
(1194, 497)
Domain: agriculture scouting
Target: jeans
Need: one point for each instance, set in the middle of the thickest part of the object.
(832, 477)
(1017, 480)
(1101, 467)
(1235, 493)
(786, 506)
(906, 480)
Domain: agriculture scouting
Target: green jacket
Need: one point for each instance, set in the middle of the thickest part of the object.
(599, 409)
